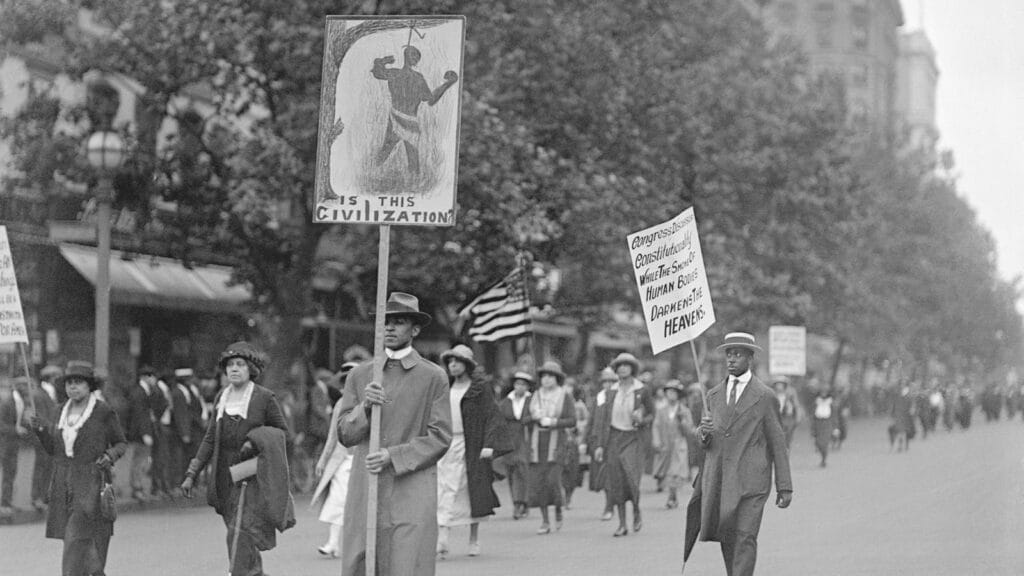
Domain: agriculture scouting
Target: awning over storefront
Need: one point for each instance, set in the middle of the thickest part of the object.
(150, 281)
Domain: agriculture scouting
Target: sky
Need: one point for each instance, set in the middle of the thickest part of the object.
(979, 48)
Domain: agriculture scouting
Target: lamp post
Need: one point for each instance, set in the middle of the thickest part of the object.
(105, 151)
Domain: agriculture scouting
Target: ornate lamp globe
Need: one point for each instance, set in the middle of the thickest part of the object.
(105, 151)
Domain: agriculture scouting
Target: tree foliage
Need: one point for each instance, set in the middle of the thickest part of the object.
(582, 121)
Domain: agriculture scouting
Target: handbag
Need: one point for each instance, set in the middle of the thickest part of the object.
(108, 501)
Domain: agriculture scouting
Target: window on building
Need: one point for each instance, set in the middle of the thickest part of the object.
(861, 25)
(786, 13)
(824, 16)
(859, 76)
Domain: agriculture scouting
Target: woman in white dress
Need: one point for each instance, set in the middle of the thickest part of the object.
(333, 468)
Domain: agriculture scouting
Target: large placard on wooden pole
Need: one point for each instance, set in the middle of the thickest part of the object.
(388, 148)
(12, 316)
(669, 270)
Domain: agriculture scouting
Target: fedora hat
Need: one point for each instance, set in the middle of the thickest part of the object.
(245, 351)
(79, 370)
(552, 367)
(460, 352)
(626, 358)
(402, 304)
(739, 340)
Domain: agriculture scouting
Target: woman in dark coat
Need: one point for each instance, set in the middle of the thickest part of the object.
(552, 414)
(465, 480)
(242, 408)
(514, 408)
(628, 411)
(85, 442)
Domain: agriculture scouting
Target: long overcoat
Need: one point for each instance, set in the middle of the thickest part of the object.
(331, 458)
(76, 481)
(416, 429)
(263, 411)
(483, 427)
(746, 444)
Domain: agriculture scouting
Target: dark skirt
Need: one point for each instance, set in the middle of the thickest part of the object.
(624, 462)
(822, 431)
(545, 484)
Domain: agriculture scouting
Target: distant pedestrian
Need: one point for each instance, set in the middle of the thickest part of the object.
(514, 409)
(248, 423)
(332, 470)
(672, 424)
(139, 430)
(621, 439)
(598, 480)
(744, 445)
(85, 442)
(902, 428)
(465, 479)
(12, 432)
(185, 429)
(790, 411)
(415, 431)
(163, 438)
(823, 423)
(552, 414)
(572, 473)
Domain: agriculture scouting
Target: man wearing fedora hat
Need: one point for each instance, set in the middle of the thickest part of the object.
(744, 442)
(415, 431)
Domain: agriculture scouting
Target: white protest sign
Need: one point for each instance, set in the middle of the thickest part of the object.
(12, 320)
(669, 270)
(389, 120)
(787, 350)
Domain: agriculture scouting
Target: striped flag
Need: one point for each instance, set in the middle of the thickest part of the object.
(502, 311)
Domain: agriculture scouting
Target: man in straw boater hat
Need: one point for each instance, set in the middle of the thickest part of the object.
(744, 441)
(415, 431)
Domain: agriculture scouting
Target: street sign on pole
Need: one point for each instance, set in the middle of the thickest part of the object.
(787, 350)
(389, 120)
(388, 148)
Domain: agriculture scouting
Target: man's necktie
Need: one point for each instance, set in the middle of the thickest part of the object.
(732, 392)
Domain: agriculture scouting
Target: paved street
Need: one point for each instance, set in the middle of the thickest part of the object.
(953, 505)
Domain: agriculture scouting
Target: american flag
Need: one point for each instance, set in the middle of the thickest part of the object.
(502, 311)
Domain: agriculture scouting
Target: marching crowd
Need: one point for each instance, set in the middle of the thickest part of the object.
(545, 433)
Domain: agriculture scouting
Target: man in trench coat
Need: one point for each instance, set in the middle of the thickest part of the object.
(415, 431)
(744, 442)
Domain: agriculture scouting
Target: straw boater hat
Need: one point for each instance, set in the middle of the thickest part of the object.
(79, 370)
(51, 372)
(779, 380)
(245, 351)
(739, 340)
(402, 304)
(552, 367)
(462, 353)
(626, 358)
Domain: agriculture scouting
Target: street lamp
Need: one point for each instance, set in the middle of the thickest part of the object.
(105, 151)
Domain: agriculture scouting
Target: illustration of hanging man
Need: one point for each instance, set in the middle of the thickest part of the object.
(408, 90)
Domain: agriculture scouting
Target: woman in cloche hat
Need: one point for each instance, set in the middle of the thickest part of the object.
(240, 408)
(465, 479)
(552, 413)
(513, 409)
(672, 424)
(85, 442)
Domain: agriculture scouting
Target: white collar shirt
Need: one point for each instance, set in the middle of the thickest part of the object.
(740, 382)
(398, 354)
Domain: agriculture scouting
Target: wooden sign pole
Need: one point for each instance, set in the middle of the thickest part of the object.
(700, 381)
(383, 254)
(28, 376)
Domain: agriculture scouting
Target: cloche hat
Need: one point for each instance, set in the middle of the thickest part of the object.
(460, 352)
(245, 351)
(79, 370)
(552, 367)
(626, 358)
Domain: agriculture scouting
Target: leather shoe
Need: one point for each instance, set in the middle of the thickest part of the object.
(544, 529)
(622, 531)
(637, 525)
(606, 516)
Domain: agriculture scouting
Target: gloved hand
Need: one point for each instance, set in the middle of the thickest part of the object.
(247, 451)
(105, 462)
